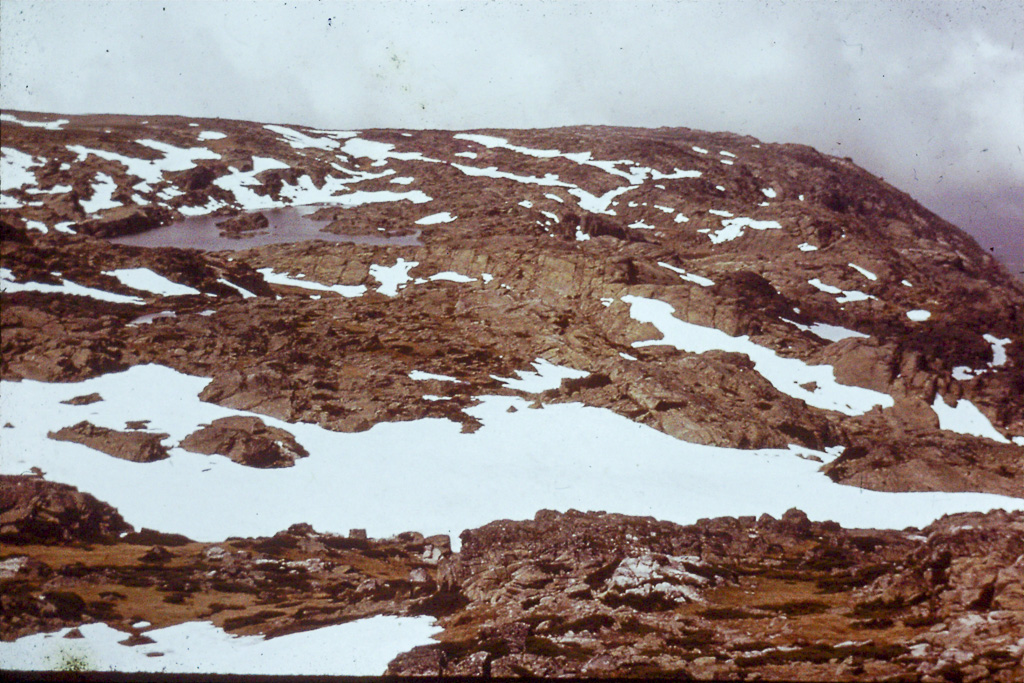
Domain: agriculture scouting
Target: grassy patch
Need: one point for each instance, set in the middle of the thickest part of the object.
(797, 607)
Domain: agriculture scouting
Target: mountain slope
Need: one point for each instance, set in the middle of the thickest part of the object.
(224, 329)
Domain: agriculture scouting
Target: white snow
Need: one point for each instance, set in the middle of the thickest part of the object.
(555, 197)
(963, 372)
(246, 294)
(769, 192)
(640, 225)
(720, 212)
(150, 317)
(45, 125)
(433, 219)
(419, 375)
(676, 174)
(526, 204)
(998, 349)
(680, 218)
(211, 135)
(699, 150)
(828, 332)
(919, 315)
(727, 154)
(863, 271)
(788, 375)
(380, 151)
(626, 356)
(14, 165)
(8, 285)
(337, 134)
(151, 171)
(240, 182)
(550, 180)
(451, 277)
(349, 291)
(589, 202)
(844, 296)
(56, 189)
(550, 216)
(302, 141)
(37, 225)
(357, 648)
(689, 277)
(807, 247)
(392, 278)
(965, 418)
(547, 376)
(146, 280)
(582, 236)
(734, 227)
(666, 209)
(403, 180)
(426, 474)
(468, 155)
(906, 283)
(208, 208)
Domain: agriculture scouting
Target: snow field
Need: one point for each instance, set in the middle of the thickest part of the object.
(425, 474)
(358, 648)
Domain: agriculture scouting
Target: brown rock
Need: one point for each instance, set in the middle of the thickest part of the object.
(247, 441)
(133, 446)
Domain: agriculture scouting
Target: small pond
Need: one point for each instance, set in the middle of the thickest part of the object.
(287, 224)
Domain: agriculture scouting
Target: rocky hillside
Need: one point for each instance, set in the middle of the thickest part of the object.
(212, 304)
(579, 594)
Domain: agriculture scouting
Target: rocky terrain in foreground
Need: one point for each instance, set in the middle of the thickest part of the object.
(579, 593)
(720, 290)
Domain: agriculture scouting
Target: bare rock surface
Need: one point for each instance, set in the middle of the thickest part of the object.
(33, 510)
(246, 440)
(134, 446)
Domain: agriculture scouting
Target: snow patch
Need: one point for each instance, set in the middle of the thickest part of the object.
(844, 296)
(145, 280)
(45, 125)
(863, 271)
(358, 648)
(392, 278)
(832, 333)
(547, 376)
(420, 376)
(9, 286)
(348, 291)
(689, 277)
(919, 315)
(302, 141)
(965, 418)
(734, 227)
(790, 376)
(435, 218)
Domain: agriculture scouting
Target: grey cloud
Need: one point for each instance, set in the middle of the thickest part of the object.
(929, 95)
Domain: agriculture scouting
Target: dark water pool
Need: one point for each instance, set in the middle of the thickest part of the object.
(288, 224)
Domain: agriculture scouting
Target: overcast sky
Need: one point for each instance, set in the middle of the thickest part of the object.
(928, 95)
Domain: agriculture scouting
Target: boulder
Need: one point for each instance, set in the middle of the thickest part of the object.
(134, 446)
(247, 441)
